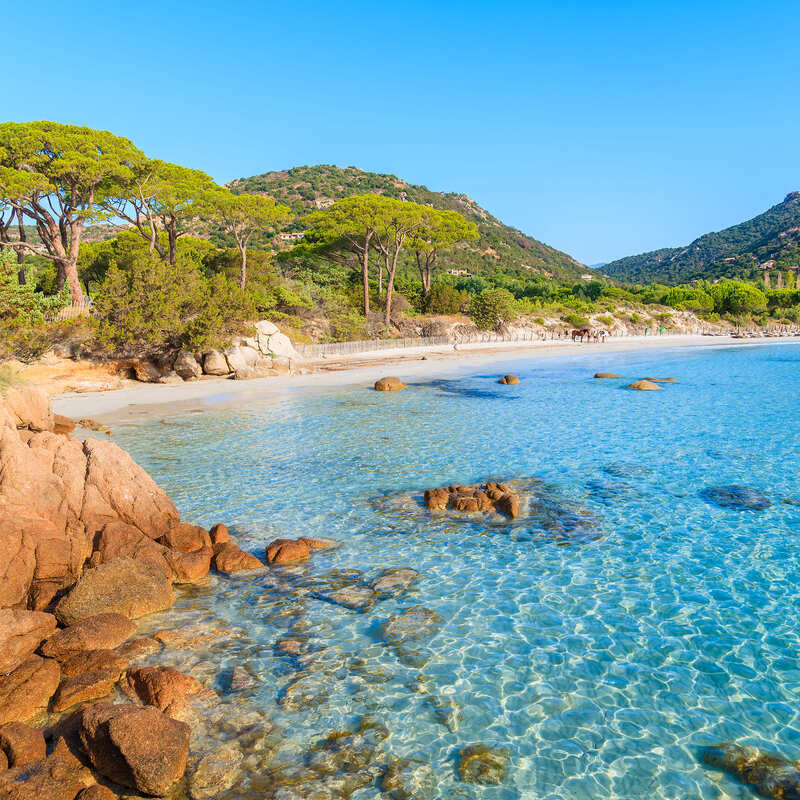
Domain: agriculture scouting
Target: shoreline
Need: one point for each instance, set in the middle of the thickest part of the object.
(145, 399)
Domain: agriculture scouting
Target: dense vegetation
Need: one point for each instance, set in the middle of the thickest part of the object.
(735, 252)
(499, 248)
(166, 259)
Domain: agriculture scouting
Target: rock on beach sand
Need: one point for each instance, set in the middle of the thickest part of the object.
(390, 384)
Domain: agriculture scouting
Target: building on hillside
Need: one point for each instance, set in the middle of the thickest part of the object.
(459, 272)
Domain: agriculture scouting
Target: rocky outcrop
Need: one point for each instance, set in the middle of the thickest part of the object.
(509, 380)
(21, 632)
(136, 747)
(484, 498)
(390, 384)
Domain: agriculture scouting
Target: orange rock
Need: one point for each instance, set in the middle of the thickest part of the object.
(286, 551)
(606, 375)
(436, 499)
(509, 380)
(162, 687)
(219, 533)
(390, 384)
(27, 690)
(63, 425)
(186, 538)
(644, 386)
(100, 632)
(229, 557)
(22, 745)
(318, 544)
(21, 632)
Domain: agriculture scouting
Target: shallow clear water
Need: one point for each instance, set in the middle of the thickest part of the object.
(602, 642)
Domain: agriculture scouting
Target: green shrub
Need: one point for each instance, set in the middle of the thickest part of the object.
(146, 305)
(688, 298)
(736, 297)
(576, 320)
(445, 299)
(492, 307)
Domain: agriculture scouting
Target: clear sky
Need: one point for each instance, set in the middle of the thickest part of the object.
(602, 127)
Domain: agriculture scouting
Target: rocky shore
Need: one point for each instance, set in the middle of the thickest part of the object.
(90, 543)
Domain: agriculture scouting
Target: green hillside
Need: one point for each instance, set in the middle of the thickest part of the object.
(736, 252)
(305, 189)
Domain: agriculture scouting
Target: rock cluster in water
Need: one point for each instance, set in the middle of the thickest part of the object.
(486, 498)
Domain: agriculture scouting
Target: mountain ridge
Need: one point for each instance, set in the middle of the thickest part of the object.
(770, 239)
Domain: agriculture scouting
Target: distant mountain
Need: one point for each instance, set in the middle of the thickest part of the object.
(500, 247)
(771, 239)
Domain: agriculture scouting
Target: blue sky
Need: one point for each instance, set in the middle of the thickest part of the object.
(603, 128)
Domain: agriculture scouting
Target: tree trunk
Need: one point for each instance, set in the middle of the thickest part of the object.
(380, 279)
(21, 250)
(390, 284)
(425, 287)
(173, 244)
(365, 275)
(243, 251)
(71, 263)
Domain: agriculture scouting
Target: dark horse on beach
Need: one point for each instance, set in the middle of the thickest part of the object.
(579, 333)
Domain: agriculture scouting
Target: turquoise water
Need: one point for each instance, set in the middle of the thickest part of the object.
(603, 638)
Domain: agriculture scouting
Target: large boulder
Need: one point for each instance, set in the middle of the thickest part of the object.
(390, 384)
(123, 586)
(146, 371)
(162, 687)
(21, 632)
(120, 540)
(99, 632)
(136, 747)
(29, 407)
(60, 776)
(27, 690)
(280, 345)
(186, 366)
(240, 357)
(117, 487)
(214, 363)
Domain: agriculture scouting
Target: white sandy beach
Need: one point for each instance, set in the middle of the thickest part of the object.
(145, 399)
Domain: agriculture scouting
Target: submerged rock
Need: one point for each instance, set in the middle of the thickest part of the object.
(480, 763)
(769, 774)
(215, 773)
(229, 557)
(606, 375)
(740, 498)
(394, 581)
(415, 624)
(356, 598)
(408, 779)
